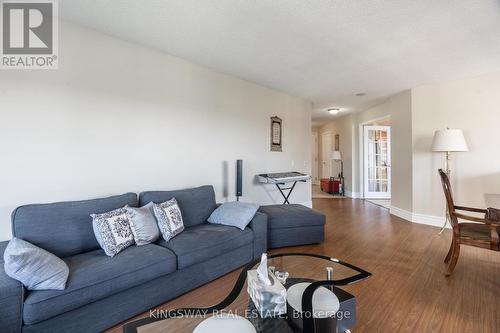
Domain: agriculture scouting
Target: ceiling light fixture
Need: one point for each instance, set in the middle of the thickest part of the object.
(361, 94)
(334, 111)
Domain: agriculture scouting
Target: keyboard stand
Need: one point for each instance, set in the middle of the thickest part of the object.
(289, 189)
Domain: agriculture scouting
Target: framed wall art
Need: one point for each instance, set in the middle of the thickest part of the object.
(276, 134)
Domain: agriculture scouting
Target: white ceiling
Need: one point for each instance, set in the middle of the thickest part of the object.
(322, 50)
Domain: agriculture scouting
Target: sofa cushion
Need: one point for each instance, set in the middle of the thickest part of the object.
(203, 242)
(94, 276)
(196, 204)
(291, 216)
(64, 228)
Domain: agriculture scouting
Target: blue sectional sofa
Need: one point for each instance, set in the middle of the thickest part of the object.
(102, 291)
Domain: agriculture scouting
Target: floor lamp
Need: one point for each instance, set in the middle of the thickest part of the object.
(448, 141)
(337, 156)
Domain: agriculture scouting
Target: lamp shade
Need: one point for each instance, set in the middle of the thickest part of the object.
(449, 140)
(336, 155)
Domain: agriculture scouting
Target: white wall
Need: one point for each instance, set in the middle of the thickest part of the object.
(472, 105)
(398, 108)
(118, 117)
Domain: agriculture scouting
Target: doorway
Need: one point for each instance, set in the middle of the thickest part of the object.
(326, 152)
(377, 162)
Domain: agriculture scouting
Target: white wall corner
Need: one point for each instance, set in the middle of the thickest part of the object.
(308, 204)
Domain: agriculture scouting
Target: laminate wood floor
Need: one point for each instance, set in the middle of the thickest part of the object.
(408, 291)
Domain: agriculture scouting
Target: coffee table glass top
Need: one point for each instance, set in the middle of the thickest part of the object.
(301, 267)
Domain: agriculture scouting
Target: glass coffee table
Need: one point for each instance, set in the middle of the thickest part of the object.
(315, 270)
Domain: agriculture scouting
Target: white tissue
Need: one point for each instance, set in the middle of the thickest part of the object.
(266, 291)
(262, 272)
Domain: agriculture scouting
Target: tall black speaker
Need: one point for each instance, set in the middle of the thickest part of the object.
(239, 179)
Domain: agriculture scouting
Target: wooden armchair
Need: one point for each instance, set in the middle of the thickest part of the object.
(483, 233)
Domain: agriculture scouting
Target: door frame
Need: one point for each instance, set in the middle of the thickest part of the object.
(363, 170)
(315, 154)
(361, 155)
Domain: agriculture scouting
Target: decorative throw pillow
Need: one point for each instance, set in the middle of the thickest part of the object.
(112, 230)
(235, 214)
(169, 217)
(143, 224)
(34, 267)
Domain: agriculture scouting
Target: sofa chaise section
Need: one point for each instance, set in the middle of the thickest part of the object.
(290, 225)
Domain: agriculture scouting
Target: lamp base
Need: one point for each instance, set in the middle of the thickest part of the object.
(447, 220)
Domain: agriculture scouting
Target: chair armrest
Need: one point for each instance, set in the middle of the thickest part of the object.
(471, 218)
(469, 209)
(259, 228)
(493, 224)
(11, 299)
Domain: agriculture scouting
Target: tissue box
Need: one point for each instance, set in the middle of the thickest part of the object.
(270, 300)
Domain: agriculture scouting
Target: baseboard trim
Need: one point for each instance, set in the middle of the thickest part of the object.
(354, 195)
(401, 213)
(436, 221)
(432, 220)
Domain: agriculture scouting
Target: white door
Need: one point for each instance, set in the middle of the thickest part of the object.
(315, 158)
(377, 162)
(326, 152)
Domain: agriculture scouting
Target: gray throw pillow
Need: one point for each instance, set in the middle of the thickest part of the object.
(169, 217)
(112, 231)
(235, 214)
(143, 224)
(34, 267)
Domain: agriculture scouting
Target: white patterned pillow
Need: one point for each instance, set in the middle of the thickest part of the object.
(169, 217)
(112, 230)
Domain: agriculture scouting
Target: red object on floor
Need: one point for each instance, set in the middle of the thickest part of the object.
(325, 185)
(330, 185)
